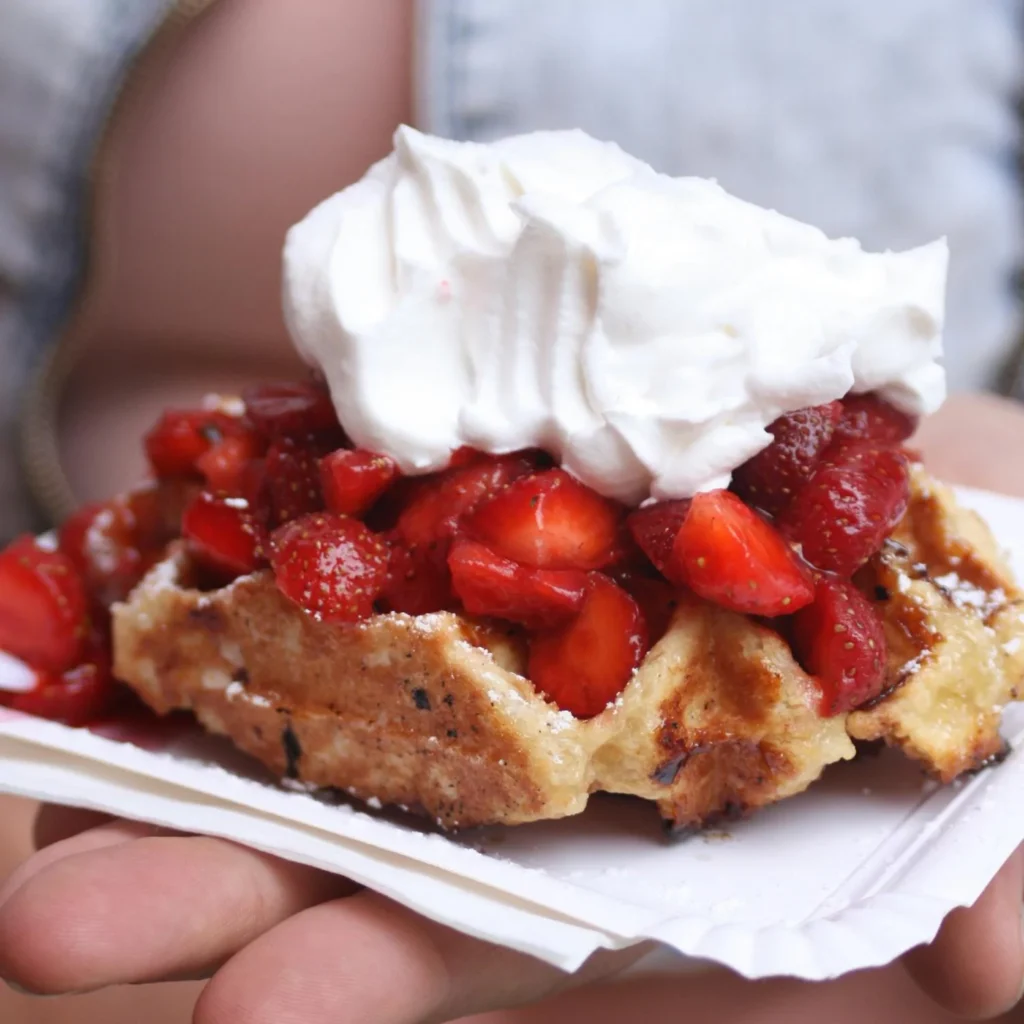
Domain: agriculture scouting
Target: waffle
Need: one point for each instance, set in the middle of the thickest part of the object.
(434, 714)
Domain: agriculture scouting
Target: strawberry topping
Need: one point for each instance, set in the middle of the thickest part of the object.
(330, 565)
(439, 502)
(225, 464)
(418, 580)
(655, 528)
(770, 479)
(584, 665)
(43, 606)
(550, 520)
(840, 640)
(114, 543)
(870, 418)
(290, 409)
(79, 696)
(224, 534)
(849, 506)
(353, 480)
(728, 554)
(488, 584)
(290, 485)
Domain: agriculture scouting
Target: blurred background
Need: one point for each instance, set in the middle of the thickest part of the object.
(153, 152)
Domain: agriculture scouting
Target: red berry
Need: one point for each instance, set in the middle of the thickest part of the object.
(439, 502)
(488, 584)
(353, 480)
(290, 409)
(769, 480)
(225, 464)
(224, 534)
(418, 580)
(844, 513)
(584, 665)
(728, 554)
(870, 418)
(550, 520)
(179, 438)
(655, 528)
(330, 565)
(290, 483)
(43, 606)
(840, 640)
(79, 696)
(657, 598)
(114, 543)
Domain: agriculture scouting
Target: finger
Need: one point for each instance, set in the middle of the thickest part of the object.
(146, 909)
(113, 833)
(370, 961)
(54, 824)
(975, 966)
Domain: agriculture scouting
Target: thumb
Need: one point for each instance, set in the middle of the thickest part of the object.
(975, 966)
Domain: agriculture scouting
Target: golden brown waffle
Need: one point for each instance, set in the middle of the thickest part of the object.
(433, 714)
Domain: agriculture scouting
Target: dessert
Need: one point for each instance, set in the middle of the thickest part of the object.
(601, 483)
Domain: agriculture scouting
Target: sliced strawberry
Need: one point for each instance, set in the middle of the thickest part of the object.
(103, 542)
(464, 456)
(488, 584)
(353, 479)
(330, 565)
(438, 502)
(657, 598)
(290, 409)
(770, 479)
(224, 534)
(655, 528)
(870, 418)
(729, 555)
(175, 442)
(224, 465)
(840, 640)
(418, 580)
(79, 696)
(584, 665)
(43, 606)
(291, 482)
(550, 520)
(844, 513)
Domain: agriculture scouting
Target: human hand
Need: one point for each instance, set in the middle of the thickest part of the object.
(125, 903)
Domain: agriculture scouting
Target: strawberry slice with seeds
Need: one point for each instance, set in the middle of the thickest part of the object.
(352, 480)
(844, 513)
(43, 606)
(728, 554)
(290, 485)
(330, 565)
(655, 528)
(292, 409)
(584, 665)
(840, 640)
(488, 584)
(870, 418)
(438, 503)
(418, 580)
(223, 534)
(769, 480)
(550, 520)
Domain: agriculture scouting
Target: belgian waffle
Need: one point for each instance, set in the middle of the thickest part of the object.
(434, 713)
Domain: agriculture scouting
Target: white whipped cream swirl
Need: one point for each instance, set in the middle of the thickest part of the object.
(551, 291)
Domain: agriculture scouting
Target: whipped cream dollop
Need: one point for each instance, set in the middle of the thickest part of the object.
(550, 291)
